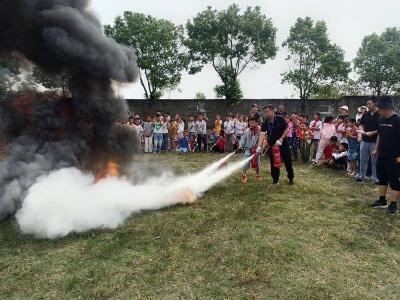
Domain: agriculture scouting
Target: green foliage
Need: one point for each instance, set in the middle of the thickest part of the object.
(334, 91)
(200, 96)
(353, 88)
(378, 62)
(159, 49)
(51, 81)
(9, 75)
(230, 89)
(327, 91)
(231, 42)
(316, 62)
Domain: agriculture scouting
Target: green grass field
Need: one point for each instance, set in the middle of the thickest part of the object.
(316, 239)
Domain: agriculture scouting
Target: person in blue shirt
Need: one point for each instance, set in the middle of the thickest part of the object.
(184, 143)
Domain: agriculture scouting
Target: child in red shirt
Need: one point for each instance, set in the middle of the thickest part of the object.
(220, 144)
(328, 151)
(305, 136)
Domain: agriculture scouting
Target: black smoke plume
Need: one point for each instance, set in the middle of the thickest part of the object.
(44, 132)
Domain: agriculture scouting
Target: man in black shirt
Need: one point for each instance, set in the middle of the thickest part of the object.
(367, 138)
(388, 151)
(275, 130)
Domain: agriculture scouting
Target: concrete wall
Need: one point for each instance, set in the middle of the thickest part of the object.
(213, 107)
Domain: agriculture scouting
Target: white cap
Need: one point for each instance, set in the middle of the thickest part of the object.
(361, 107)
(345, 107)
(343, 141)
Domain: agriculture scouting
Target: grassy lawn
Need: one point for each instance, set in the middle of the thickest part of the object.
(317, 239)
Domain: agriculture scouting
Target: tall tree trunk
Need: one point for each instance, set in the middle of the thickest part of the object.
(146, 94)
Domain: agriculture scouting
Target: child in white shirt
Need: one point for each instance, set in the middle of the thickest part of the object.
(201, 127)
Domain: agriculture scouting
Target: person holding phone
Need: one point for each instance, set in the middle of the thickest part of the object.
(367, 138)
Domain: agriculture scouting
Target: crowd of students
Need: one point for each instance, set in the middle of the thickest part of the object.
(161, 132)
(333, 142)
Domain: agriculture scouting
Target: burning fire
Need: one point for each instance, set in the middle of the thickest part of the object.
(111, 169)
(187, 196)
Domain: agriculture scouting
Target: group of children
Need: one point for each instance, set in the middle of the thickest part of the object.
(162, 133)
(332, 142)
(339, 144)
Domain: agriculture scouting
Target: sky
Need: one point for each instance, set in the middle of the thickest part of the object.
(348, 22)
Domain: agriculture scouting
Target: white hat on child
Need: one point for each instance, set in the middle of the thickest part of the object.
(361, 108)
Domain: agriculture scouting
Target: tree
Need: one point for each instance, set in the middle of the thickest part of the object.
(231, 42)
(51, 81)
(334, 91)
(231, 89)
(9, 75)
(315, 61)
(327, 91)
(159, 49)
(378, 62)
(200, 96)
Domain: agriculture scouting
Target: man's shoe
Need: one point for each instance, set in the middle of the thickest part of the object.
(291, 182)
(359, 180)
(275, 182)
(243, 179)
(258, 178)
(392, 208)
(379, 204)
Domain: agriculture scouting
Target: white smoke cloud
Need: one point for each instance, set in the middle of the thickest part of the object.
(69, 200)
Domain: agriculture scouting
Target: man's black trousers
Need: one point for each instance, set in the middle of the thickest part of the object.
(286, 158)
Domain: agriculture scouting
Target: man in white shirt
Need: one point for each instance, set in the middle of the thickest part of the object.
(315, 127)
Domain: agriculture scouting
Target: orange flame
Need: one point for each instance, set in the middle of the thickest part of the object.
(111, 169)
(186, 196)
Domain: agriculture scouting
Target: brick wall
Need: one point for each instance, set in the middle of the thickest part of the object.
(212, 107)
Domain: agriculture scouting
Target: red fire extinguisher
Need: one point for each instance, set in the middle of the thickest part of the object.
(276, 154)
(254, 160)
